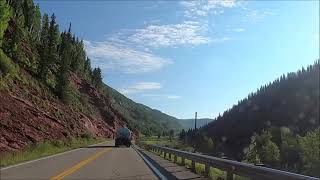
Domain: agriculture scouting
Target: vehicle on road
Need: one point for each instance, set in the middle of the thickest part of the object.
(123, 137)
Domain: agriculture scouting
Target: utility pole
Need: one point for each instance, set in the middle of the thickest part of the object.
(195, 121)
(195, 130)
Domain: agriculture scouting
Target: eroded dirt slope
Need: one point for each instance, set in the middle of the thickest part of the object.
(29, 113)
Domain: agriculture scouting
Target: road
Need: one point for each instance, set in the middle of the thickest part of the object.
(102, 161)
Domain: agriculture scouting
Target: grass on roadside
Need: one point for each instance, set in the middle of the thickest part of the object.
(164, 141)
(46, 148)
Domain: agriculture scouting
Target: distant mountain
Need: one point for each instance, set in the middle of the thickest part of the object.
(146, 120)
(189, 123)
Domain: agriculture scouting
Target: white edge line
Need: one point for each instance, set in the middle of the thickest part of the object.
(154, 169)
(47, 157)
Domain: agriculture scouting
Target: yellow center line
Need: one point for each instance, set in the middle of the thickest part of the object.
(79, 165)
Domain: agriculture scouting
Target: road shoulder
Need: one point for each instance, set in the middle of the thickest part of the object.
(169, 169)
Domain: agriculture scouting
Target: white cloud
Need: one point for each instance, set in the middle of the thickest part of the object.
(162, 96)
(131, 50)
(146, 86)
(221, 3)
(236, 30)
(170, 35)
(198, 8)
(173, 97)
(117, 57)
(141, 87)
(187, 33)
(256, 16)
(222, 39)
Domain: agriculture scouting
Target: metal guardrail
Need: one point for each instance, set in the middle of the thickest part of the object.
(231, 167)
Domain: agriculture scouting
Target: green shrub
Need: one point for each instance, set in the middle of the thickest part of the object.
(6, 66)
(309, 152)
(86, 136)
(51, 82)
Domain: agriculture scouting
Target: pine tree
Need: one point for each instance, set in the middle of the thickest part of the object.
(96, 77)
(53, 39)
(5, 14)
(310, 149)
(263, 149)
(171, 134)
(63, 73)
(44, 48)
(87, 69)
(65, 50)
(35, 26)
(182, 136)
(252, 155)
(210, 146)
(11, 45)
(270, 153)
(29, 14)
(49, 43)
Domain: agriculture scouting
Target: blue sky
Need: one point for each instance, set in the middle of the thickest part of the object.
(186, 56)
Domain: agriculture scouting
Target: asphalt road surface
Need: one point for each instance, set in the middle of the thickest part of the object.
(102, 161)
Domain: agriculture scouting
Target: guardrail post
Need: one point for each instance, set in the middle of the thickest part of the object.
(193, 166)
(229, 175)
(183, 161)
(207, 169)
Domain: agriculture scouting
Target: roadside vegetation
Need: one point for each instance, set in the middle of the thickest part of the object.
(47, 148)
(165, 141)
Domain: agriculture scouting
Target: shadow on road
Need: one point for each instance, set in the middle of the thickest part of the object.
(138, 176)
(162, 170)
(100, 146)
(169, 169)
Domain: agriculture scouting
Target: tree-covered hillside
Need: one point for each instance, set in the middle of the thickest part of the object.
(274, 126)
(32, 43)
(138, 116)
